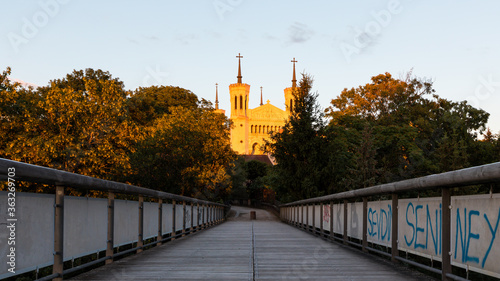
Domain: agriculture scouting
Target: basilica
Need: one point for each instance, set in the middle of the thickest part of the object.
(252, 126)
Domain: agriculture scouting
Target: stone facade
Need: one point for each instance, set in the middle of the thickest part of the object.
(252, 126)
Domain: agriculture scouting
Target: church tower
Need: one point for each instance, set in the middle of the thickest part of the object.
(289, 99)
(239, 95)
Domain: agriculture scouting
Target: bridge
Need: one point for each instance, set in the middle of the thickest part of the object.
(143, 234)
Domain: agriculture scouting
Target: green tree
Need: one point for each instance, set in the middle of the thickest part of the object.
(301, 170)
(149, 103)
(186, 151)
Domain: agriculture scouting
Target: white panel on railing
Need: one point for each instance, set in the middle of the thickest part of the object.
(379, 222)
(355, 220)
(326, 217)
(166, 218)
(475, 224)
(475, 233)
(187, 216)
(126, 221)
(419, 226)
(195, 216)
(34, 232)
(150, 220)
(178, 216)
(338, 218)
(85, 226)
(317, 215)
(309, 215)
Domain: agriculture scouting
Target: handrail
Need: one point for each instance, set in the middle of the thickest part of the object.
(464, 177)
(297, 213)
(40, 174)
(211, 213)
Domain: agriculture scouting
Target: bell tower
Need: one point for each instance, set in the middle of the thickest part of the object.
(289, 99)
(239, 95)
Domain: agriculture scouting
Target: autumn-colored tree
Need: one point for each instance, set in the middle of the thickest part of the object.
(77, 124)
(412, 127)
(149, 103)
(186, 151)
(18, 107)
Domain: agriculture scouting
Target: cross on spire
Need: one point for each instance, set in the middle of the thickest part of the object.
(239, 56)
(216, 96)
(294, 79)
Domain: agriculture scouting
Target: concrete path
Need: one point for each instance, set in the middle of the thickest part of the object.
(241, 249)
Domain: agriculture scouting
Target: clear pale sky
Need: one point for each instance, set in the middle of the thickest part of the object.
(193, 44)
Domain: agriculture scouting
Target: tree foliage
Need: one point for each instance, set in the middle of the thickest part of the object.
(414, 131)
(301, 170)
(156, 137)
(186, 152)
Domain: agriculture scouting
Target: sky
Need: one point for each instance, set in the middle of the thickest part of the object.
(194, 44)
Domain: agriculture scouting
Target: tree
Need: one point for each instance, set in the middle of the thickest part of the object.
(149, 103)
(412, 133)
(77, 124)
(301, 170)
(186, 151)
(18, 107)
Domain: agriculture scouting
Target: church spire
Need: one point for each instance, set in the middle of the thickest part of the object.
(294, 79)
(261, 103)
(216, 96)
(239, 56)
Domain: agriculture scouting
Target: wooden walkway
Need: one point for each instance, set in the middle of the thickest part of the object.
(240, 249)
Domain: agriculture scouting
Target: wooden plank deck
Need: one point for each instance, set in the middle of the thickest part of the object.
(240, 249)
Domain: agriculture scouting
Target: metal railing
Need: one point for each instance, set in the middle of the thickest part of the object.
(61, 179)
(293, 213)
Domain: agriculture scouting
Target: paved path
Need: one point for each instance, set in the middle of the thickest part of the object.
(241, 249)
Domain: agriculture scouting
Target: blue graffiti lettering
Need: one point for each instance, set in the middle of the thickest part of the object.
(410, 224)
(428, 225)
(473, 236)
(493, 233)
(419, 229)
(462, 238)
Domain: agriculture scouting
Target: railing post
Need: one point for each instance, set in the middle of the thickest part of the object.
(203, 218)
(198, 213)
(159, 237)
(183, 218)
(297, 216)
(140, 239)
(302, 216)
(58, 266)
(209, 215)
(314, 219)
(307, 217)
(331, 220)
(446, 228)
(111, 227)
(345, 221)
(192, 217)
(365, 224)
(395, 238)
(173, 221)
(321, 219)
